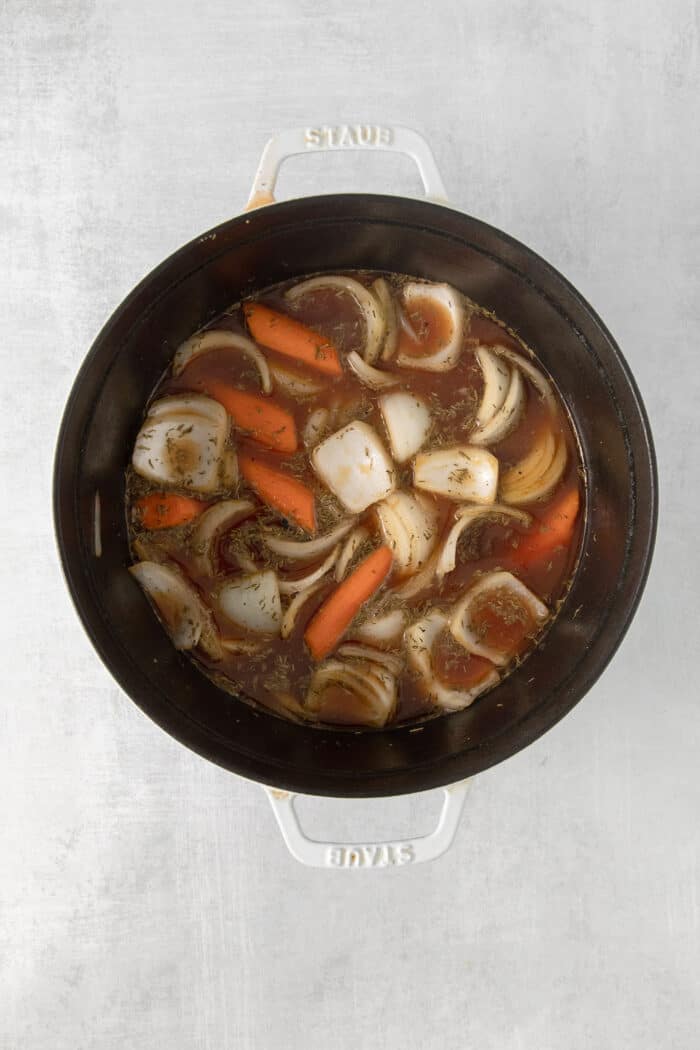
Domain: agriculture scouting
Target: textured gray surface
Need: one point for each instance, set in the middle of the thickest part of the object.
(147, 899)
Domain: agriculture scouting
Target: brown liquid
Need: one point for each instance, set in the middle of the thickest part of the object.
(283, 667)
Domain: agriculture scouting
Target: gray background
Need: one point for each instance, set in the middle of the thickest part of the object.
(147, 899)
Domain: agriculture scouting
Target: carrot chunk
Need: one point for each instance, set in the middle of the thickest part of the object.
(164, 510)
(265, 422)
(278, 332)
(553, 530)
(280, 491)
(330, 622)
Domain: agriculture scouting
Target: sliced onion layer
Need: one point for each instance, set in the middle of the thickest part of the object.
(294, 384)
(420, 640)
(253, 602)
(382, 629)
(205, 342)
(492, 583)
(293, 586)
(182, 443)
(307, 550)
(211, 524)
(447, 355)
(355, 466)
(350, 548)
(369, 693)
(541, 385)
(386, 301)
(187, 619)
(409, 523)
(537, 474)
(369, 375)
(295, 606)
(315, 426)
(463, 472)
(465, 519)
(408, 422)
(370, 307)
(393, 662)
(502, 401)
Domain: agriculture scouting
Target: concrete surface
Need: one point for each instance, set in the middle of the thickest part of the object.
(147, 899)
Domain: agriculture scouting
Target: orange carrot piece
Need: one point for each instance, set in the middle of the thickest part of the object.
(265, 422)
(554, 529)
(280, 491)
(332, 619)
(164, 510)
(289, 337)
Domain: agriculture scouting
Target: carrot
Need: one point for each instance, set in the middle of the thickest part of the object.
(289, 337)
(266, 422)
(164, 510)
(332, 619)
(280, 491)
(554, 529)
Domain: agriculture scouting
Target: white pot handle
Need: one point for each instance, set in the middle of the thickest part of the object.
(317, 854)
(345, 136)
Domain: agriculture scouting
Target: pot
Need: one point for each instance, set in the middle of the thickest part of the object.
(277, 242)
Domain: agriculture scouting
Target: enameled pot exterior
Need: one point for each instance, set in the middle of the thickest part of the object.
(331, 233)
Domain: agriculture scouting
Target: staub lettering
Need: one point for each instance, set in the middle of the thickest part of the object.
(347, 135)
(370, 856)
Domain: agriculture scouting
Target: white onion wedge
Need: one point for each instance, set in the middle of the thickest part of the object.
(294, 384)
(371, 310)
(217, 519)
(181, 443)
(535, 476)
(420, 639)
(295, 606)
(541, 385)
(382, 292)
(417, 583)
(315, 427)
(187, 619)
(369, 694)
(205, 342)
(302, 582)
(497, 376)
(502, 401)
(382, 629)
(350, 548)
(355, 466)
(493, 583)
(306, 550)
(408, 422)
(447, 355)
(241, 646)
(409, 523)
(467, 517)
(253, 602)
(369, 375)
(393, 662)
(463, 472)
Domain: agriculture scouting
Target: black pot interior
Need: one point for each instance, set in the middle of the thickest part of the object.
(336, 233)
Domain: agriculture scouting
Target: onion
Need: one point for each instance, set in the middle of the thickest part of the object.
(352, 544)
(306, 550)
(315, 426)
(181, 443)
(229, 468)
(541, 385)
(293, 609)
(460, 626)
(220, 340)
(447, 356)
(387, 303)
(463, 472)
(466, 517)
(382, 629)
(393, 662)
(187, 619)
(371, 309)
(407, 420)
(420, 640)
(241, 646)
(210, 525)
(415, 584)
(253, 602)
(502, 401)
(409, 522)
(373, 690)
(355, 466)
(294, 384)
(300, 584)
(370, 376)
(536, 475)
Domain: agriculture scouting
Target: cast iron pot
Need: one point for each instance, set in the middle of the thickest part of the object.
(331, 233)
